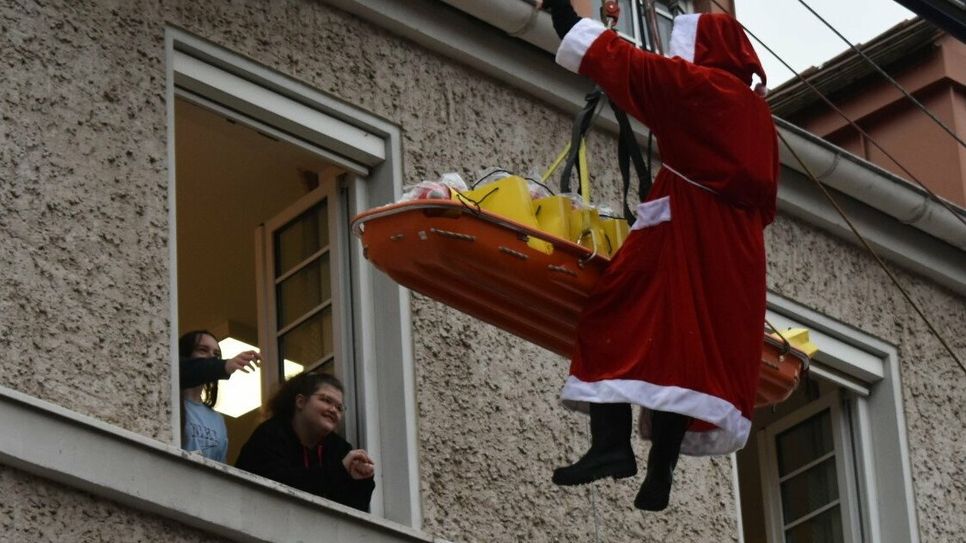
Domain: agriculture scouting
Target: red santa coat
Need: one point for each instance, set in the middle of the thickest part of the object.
(675, 323)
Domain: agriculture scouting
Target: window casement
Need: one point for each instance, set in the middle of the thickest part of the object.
(808, 475)
(321, 306)
(303, 293)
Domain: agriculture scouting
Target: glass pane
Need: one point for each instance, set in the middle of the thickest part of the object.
(304, 290)
(664, 25)
(824, 528)
(308, 342)
(301, 238)
(809, 490)
(804, 442)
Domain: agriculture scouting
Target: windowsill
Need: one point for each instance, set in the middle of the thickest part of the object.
(84, 453)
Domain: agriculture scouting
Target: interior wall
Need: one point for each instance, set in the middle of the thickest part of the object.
(230, 178)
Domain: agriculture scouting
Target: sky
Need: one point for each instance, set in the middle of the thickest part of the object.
(802, 40)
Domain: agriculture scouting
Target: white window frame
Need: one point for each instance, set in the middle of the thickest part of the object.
(370, 149)
(266, 284)
(868, 368)
(845, 470)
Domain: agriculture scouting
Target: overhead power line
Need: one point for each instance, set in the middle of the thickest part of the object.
(839, 210)
(958, 216)
(885, 75)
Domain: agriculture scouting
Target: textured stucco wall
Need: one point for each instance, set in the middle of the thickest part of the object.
(840, 280)
(84, 289)
(83, 232)
(33, 509)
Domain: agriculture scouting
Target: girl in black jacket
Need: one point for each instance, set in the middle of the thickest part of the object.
(298, 445)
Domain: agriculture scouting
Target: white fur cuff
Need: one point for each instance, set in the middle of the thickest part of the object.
(576, 43)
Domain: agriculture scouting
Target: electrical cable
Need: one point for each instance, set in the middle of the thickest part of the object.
(885, 75)
(865, 134)
(841, 212)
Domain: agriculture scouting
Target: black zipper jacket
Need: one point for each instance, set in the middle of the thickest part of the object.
(275, 452)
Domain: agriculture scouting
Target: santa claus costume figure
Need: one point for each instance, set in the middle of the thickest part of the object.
(675, 323)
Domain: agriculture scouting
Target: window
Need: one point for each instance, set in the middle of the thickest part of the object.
(302, 291)
(807, 478)
(267, 174)
(223, 205)
(632, 24)
(831, 463)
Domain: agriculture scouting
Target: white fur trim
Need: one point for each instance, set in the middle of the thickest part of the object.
(653, 212)
(732, 427)
(684, 34)
(575, 44)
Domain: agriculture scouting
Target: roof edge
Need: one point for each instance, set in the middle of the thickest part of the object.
(872, 185)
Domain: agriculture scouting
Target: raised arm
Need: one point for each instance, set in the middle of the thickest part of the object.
(639, 82)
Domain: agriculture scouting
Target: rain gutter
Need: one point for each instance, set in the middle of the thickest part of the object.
(516, 46)
(872, 185)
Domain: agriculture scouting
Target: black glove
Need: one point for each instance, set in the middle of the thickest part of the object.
(550, 5)
(563, 15)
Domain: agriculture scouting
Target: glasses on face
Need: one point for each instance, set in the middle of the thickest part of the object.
(330, 401)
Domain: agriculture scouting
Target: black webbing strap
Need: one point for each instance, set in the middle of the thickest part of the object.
(628, 151)
(581, 124)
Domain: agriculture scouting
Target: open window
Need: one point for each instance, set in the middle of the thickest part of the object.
(255, 263)
(268, 172)
(807, 469)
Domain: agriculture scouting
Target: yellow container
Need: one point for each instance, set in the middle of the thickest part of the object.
(509, 197)
(616, 231)
(553, 215)
(798, 338)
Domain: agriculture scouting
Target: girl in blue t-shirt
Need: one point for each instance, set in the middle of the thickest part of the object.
(201, 366)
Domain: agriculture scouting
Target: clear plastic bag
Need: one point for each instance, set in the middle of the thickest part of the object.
(426, 190)
(442, 189)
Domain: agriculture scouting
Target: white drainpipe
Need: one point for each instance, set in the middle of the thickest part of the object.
(518, 18)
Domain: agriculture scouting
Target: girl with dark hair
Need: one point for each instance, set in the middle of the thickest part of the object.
(200, 364)
(298, 444)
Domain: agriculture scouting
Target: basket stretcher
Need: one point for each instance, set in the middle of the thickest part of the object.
(481, 263)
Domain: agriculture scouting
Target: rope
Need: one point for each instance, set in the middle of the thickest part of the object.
(851, 122)
(786, 345)
(593, 505)
(885, 75)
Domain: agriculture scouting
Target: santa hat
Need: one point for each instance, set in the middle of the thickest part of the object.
(716, 40)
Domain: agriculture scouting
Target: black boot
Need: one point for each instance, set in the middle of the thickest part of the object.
(667, 433)
(610, 453)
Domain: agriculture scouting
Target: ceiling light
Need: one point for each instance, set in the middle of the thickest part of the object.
(242, 392)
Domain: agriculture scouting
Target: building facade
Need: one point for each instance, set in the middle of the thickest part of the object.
(157, 161)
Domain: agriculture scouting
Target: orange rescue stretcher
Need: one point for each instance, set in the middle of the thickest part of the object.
(488, 266)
